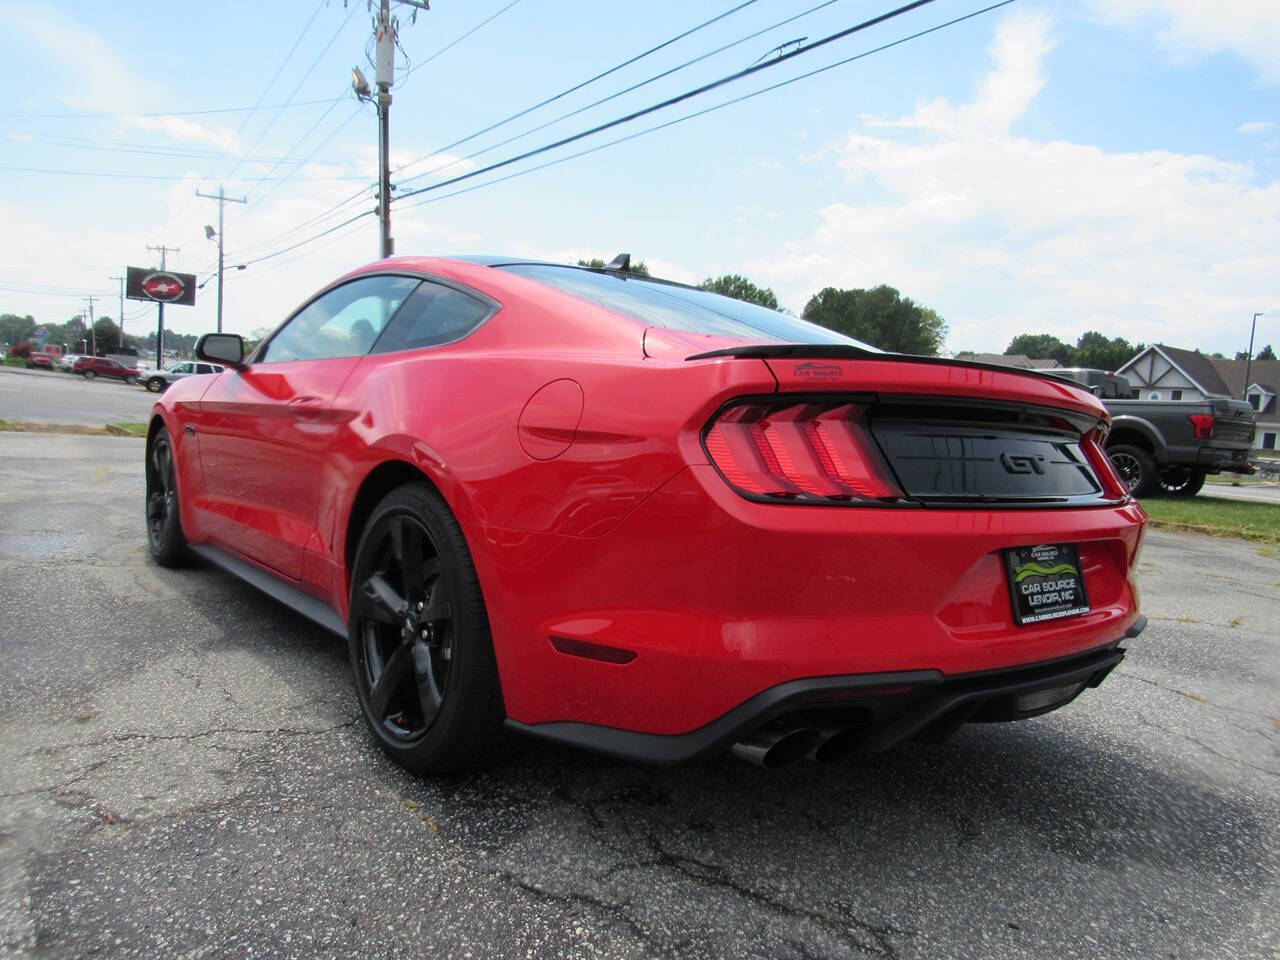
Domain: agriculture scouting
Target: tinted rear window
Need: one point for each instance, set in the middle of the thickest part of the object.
(680, 308)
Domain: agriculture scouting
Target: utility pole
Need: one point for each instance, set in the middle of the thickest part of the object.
(385, 31)
(121, 279)
(93, 337)
(222, 199)
(385, 59)
(160, 323)
(1248, 367)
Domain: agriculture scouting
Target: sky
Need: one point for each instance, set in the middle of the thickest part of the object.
(1050, 167)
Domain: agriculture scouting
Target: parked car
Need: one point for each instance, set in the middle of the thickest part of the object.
(90, 367)
(157, 380)
(646, 519)
(67, 362)
(1170, 445)
(40, 361)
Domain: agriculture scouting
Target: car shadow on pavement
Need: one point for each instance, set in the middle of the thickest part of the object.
(1003, 831)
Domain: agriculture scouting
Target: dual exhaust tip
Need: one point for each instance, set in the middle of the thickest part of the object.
(779, 744)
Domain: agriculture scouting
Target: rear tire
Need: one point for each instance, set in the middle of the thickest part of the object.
(131, 380)
(421, 651)
(1136, 467)
(89, 374)
(1181, 483)
(165, 539)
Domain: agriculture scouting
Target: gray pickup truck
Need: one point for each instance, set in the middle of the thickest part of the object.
(1169, 445)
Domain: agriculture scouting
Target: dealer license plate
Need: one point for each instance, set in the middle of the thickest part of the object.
(1046, 582)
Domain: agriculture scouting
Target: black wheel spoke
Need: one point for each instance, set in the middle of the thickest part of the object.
(438, 607)
(392, 677)
(406, 547)
(430, 697)
(382, 602)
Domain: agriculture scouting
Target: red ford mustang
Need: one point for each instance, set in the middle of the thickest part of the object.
(646, 519)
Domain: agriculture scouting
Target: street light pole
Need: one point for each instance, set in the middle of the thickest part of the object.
(223, 199)
(1248, 367)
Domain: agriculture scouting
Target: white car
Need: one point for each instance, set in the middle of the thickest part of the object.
(157, 380)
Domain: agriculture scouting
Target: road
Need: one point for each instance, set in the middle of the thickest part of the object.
(1250, 493)
(184, 773)
(41, 396)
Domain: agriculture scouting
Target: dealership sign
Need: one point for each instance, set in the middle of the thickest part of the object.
(161, 286)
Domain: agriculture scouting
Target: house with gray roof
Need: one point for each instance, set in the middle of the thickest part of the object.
(1161, 372)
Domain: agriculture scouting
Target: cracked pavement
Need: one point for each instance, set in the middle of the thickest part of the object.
(183, 773)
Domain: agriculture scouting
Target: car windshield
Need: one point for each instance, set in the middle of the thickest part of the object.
(661, 304)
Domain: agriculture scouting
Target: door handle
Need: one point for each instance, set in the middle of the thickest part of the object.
(307, 406)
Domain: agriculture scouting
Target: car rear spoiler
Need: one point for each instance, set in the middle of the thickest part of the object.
(839, 351)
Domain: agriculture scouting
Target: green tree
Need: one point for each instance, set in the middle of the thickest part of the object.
(1041, 346)
(1101, 352)
(595, 263)
(106, 334)
(14, 329)
(881, 316)
(740, 288)
(1266, 353)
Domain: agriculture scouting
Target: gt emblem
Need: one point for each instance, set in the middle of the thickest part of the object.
(1022, 463)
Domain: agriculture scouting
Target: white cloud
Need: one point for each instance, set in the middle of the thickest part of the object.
(1004, 234)
(1256, 127)
(1249, 29)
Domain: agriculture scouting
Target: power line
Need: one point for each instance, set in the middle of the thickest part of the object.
(612, 96)
(162, 113)
(584, 83)
(164, 150)
(718, 106)
(453, 43)
(165, 176)
(301, 243)
(679, 98)
(173, 221)
(297, 143)
(314, 150)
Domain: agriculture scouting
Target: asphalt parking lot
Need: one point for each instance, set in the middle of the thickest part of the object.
(44, 396)
(183, 773)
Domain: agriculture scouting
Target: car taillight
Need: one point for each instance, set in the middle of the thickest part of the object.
(816, 452)
(1113, 485)
(1202, 423)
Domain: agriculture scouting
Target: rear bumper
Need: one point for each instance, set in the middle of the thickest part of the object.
(711, 600)
(892, 706)
(1217, 459)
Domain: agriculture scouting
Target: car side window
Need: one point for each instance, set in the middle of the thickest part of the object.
(344, 322)
(433, 314)
(206, 368)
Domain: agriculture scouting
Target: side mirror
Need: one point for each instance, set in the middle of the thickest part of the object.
(224, 348)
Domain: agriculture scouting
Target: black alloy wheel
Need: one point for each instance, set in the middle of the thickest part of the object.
(406, 630)
(1136, 467)
(164, 525)
(421, 653)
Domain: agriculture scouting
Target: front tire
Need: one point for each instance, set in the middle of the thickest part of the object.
(155, 384)
(421, 652)
(131, 380)
(165, 539)
(1136, 466)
